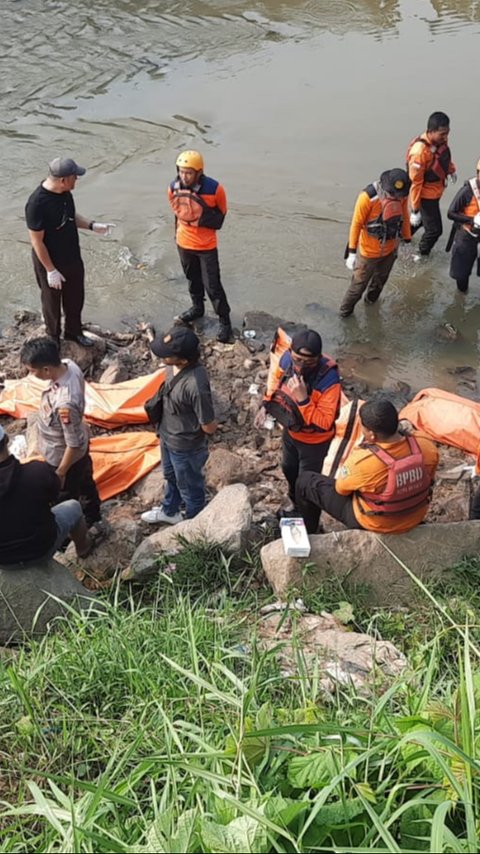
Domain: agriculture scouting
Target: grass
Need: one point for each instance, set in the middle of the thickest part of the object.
(162, 726)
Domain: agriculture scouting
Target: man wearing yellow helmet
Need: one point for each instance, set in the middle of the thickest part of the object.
(200, 205)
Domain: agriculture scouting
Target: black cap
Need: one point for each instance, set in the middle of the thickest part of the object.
(63, 167)
(396, 182)
(309, 340)
(179, 341)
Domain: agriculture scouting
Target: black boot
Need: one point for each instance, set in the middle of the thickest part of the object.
(225, 332)
(195, 312)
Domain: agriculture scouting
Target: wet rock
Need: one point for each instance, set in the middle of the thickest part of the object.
(446, 332)
(341, 658)
(358, 557)
(226, 520)
(116, 372)
(33, 594)
(85, 357)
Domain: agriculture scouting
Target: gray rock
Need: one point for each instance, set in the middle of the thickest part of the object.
(224, 467)
(150, 488)
(226, 520)
(123, 535)
(358, 557)
(27, 603)
(85, 357)
(116, 372)
(339, 657)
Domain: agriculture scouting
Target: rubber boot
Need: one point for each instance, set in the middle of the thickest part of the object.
(195, 312)
(225, 332)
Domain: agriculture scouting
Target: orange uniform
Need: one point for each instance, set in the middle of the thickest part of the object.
(428, 166)
(195, 237)
(363, 471)
(366, 211)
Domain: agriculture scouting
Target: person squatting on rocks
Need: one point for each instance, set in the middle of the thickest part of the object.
(429, 163)
(34, 525)
(465, 234)
(63, 435)
(200, 206)
(385, 483)
(53, 229)
(306, 402)
(186, 419)
(380, 219)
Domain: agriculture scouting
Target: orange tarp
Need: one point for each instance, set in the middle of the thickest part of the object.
(120, 460)
(105, 405)
(446, 418)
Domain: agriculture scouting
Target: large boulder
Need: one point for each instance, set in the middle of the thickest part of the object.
(226, 521)
(339, 657)
(85, 357)
(33, 594)
(224, 467)
(359, 558)
(150, 488)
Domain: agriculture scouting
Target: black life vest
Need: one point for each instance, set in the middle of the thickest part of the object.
(190, 209)
(388, 225)
(284, 408)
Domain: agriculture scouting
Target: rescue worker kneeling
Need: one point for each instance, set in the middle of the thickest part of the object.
(380, 219)
(385, 483)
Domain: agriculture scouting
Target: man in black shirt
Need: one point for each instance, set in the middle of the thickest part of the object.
(31, 528)
(187, 419)
(53, 229)
(465, 236)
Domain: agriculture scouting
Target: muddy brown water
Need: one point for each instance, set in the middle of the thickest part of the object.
(296, 106)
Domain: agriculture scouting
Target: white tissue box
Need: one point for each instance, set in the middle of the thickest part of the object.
(295, 537)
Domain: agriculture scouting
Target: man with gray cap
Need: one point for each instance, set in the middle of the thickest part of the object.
(53, 227)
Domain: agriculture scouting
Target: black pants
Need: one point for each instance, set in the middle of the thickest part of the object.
(464, 255)
(79, 484)
(202, 271)
(71, 297)
(432, 224)
(316, 492)
(299, 457)
(475, 508)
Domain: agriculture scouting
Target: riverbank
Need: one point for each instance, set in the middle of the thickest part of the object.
(238, 452)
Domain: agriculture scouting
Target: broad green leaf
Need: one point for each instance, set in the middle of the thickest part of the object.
(344, 613)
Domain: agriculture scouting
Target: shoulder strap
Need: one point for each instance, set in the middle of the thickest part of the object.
(177, 378)
(475, 190)
(371, 190)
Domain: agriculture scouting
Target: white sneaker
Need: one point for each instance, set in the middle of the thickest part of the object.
(157, 515)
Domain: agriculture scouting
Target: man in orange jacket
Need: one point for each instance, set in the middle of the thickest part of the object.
(380, 219)
(200, 206)
(429, 163)
(385, 483)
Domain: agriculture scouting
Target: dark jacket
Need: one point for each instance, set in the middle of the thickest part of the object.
(27, 525)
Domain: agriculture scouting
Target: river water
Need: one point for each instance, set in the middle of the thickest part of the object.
(296, 105)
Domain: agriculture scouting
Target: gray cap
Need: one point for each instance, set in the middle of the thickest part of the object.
(63, 167)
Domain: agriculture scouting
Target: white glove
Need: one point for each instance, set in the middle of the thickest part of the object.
(350, 260)
(55, 280)
(453, 177)
(104, 228)
(415, 219)
(476, 220)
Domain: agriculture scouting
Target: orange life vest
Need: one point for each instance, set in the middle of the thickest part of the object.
(189, 208)
(408, 482)
(388, 225)
(438, 169)
(283, 406)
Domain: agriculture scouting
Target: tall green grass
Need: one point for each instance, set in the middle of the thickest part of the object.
(161, 726)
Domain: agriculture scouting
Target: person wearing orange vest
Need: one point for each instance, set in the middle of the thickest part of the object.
(465, 213)
(385, 483)
(306, 402)
(429, 163)
(380, 220)
(200, 206)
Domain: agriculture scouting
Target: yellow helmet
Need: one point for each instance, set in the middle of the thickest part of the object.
(190, 160)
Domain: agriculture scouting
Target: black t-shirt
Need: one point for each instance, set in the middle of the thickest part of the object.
(185, 409)
(54, 213)
(27, 525)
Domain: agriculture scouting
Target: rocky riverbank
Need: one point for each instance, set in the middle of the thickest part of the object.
(239, 453)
